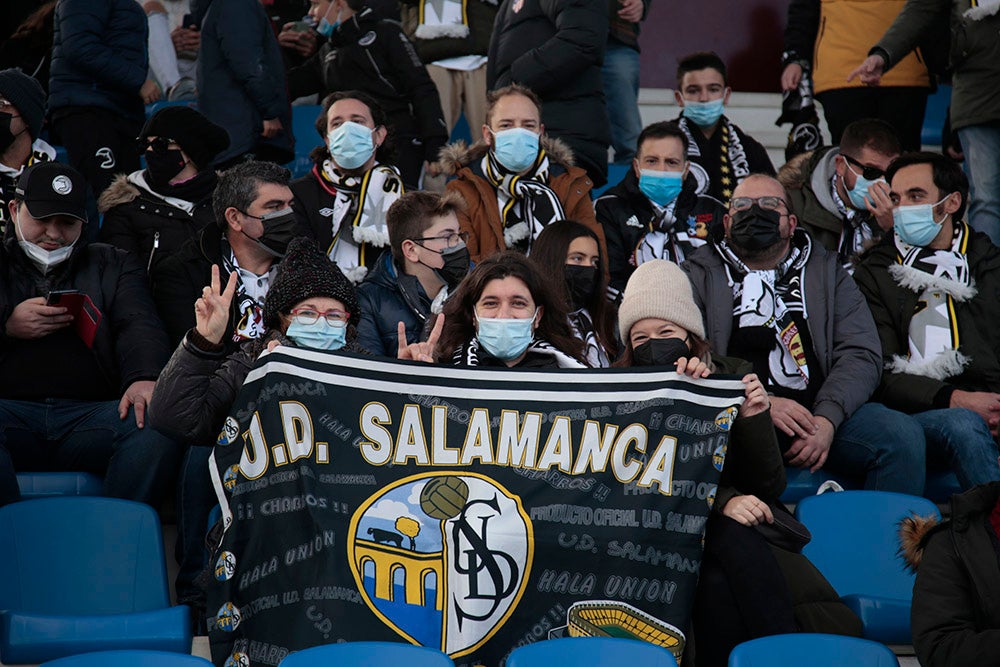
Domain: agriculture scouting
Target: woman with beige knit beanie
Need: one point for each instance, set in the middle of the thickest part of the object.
(740, 586)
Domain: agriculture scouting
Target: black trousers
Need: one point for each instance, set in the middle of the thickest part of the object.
(901, 107)
(742, 593)
(100, 143)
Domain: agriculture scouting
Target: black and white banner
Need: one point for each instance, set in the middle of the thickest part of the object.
(470, 510)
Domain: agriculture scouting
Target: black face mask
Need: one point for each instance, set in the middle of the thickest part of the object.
(755, 228)
(581, 281)
(164, 165)
(279, 230)
(6, 136)
(456, 265)
(660, 352)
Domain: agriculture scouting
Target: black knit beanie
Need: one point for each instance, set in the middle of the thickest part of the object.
(27, 96)
(306, 272)
(197, 136)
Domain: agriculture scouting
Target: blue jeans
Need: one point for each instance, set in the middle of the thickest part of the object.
(85, 436)
(959, 439)
(981, 144)
(883, 447)
(621, 91)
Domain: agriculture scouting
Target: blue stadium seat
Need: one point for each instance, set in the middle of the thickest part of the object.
(84, 574)
(304, 129)
(855, 544)
(129, 659)
(800, 483)
(616, 172)
(163, 104)
(591, 652)
(812, 649)
(367, 654)
(43, 484)
(937, 110)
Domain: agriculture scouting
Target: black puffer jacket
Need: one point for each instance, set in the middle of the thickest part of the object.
(147, 226)
(627, 215)
(388, 298)
(99, 56)
(556, 47)
(955, 615)
(130, 344)
(373, 55)
(199, 384)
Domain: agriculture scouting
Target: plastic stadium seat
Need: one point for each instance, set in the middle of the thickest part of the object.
(44, 484)
(616, 172)
(304, 130)
(937, 110)
(367, 654)
(813, 650)
(129, 659)
(855, 544)
(84, 574)
(591, 652)
(800, 483)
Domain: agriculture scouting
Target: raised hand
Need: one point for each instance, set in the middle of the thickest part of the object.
(211, 311)
(419, 351)
(757, 400)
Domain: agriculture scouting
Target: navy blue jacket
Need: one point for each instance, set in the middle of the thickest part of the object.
(387, 299)
(99, 56)
(240, 61)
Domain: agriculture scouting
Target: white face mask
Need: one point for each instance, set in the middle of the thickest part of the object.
(42, 258)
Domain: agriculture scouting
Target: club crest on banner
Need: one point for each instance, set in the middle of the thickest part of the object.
(427, 558)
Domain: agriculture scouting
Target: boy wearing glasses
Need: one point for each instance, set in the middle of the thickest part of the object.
(839, 194)
(429, 258)
(773, 297)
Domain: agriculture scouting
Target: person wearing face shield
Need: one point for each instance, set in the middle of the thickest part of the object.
(516, 180)
(932, 285)
(309, 304)
(772, 296)
(75, 383)
(152, 212)
(343, 201)
(655, 212)
(839, 194)
(568, 255)
(411, 284)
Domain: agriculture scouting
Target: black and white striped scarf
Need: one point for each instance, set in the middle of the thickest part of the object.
(468, 354)
(526, 202)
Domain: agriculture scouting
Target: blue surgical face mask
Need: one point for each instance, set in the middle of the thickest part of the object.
(858, 193)
(320, 335)
(351, 145)
(325, 27)
(516, 148)
(703, 114)
(662, 187)
(505, 338)
(916, 225)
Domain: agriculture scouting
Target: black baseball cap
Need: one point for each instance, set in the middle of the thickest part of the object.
(53, 188)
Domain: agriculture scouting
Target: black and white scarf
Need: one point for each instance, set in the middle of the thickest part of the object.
(940, 278)
(733, 163)
(668, 239)
(770, 298)
(526, 202)
(249, 298)
(468, 354)
(583, 328)
(860, 233)
(360, 205)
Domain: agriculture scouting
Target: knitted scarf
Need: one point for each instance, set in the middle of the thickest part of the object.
(526, 203)
(940, 278)
(733, 163)
(860, 232)
(669, 238)
(249, 297)
(468, 354)
(583, 328)
(358, 214)
(769, 298)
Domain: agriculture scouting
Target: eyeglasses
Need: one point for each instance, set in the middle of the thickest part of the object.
(158, 144)
(769, 203)
(871, 173)
(334, 318)
(6, 106)
(451, 239)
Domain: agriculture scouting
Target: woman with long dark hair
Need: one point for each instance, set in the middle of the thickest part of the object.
(568, 254)
(505, 315)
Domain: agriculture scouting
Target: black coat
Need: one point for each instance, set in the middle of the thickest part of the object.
(243, 78)
(374, 56)
(146, 226)
(626, 215)
(555, 48)
(130, 344)
(388, 298)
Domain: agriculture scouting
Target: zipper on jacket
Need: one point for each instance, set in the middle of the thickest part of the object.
(156, 244)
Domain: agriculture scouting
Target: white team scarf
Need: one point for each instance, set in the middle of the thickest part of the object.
(526, 202)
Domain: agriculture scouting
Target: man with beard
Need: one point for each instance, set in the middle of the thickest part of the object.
(773, 297)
